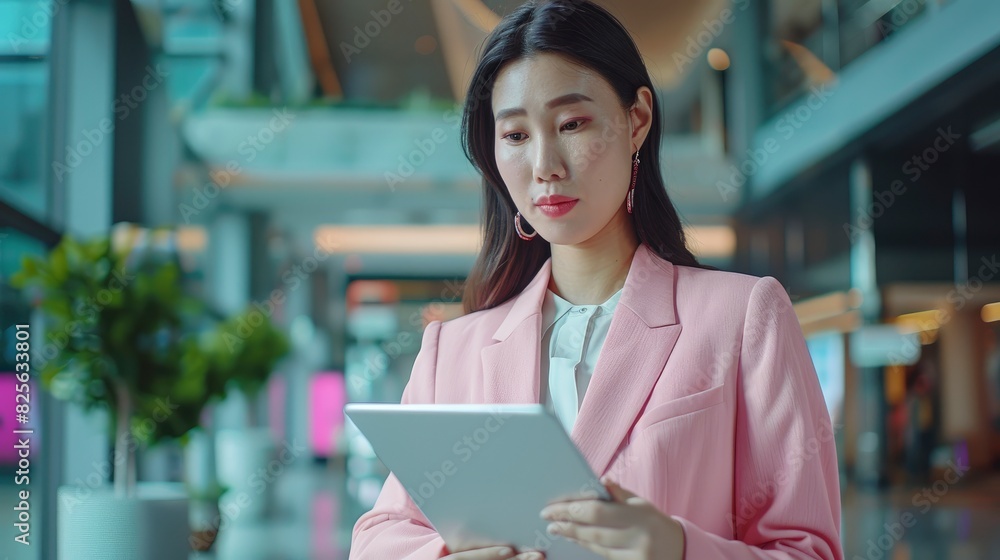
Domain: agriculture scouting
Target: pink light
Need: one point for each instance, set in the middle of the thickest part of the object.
(327, 397)
(8, 418)
(325, 519)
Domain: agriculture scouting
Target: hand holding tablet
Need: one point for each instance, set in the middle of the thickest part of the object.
(482, 473)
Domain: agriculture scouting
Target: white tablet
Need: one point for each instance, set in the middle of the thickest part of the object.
(481, 473)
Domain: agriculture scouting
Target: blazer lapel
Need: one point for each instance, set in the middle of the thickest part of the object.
(641, 336)
(511, 366)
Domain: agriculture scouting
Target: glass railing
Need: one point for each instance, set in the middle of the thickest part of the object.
(866, 24)
(806, 42)
(25, 26)
(25, 29)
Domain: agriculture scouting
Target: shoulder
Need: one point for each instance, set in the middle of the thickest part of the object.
(732, 294)
(716, 284)
(478, 325)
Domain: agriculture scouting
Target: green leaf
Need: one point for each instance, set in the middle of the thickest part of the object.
(28, 273)
(57, 308)
(143, 332)
(58, 262)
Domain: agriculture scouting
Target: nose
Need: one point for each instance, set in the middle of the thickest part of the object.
(549, 164)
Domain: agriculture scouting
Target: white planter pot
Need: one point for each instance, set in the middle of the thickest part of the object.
(242, 459)
(95, 525)
(206, 521)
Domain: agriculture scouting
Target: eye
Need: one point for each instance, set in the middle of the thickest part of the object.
(572, 125)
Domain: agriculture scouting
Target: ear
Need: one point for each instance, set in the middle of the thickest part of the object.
(642, 112)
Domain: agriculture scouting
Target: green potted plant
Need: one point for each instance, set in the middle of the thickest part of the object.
(121, 331)
(203, 359)
(249, 345)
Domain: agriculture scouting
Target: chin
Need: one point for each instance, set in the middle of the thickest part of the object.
(566, 235)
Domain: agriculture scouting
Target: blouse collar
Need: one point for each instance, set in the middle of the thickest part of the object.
(554, 307)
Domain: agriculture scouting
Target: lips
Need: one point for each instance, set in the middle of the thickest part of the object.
(553, 199)
(555, 206)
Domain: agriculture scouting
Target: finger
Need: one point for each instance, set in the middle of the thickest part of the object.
(589, 512)
(488, 553)
(602, 551)
(621, 494)
(617, 492)
(530, 555)
(605, 537)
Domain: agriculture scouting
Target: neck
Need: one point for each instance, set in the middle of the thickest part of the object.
(589, 273)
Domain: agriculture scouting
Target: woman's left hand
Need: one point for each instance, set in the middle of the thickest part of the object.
(628, 528)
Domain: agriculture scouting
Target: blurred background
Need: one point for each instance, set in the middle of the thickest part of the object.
(292, 171)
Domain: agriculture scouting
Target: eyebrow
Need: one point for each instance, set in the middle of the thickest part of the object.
(557, 102)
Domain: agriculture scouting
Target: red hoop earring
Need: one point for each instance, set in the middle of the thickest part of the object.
(520, 232)
(631, 187)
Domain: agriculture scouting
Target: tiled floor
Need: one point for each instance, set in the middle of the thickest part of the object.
(312, 517)
(962, 522)
(313, 520)
(955, 522)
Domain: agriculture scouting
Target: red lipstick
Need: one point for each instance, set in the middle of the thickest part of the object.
(555, 205)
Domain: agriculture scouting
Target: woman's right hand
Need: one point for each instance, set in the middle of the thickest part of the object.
(494, 553)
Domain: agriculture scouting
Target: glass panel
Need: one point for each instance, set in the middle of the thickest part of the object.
(385, 325)
(868, 23)
(24, 118)
(794, 56)
(190, 77)
(25, 26)
(808, 41)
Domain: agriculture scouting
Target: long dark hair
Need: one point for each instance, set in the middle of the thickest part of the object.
(590, 36)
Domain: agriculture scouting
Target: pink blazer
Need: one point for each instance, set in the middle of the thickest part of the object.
(704, 401)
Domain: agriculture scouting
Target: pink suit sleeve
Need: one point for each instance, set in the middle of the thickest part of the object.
(787, 485)
(395, 528)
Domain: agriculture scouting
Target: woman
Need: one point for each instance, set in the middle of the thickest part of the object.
(703, 413)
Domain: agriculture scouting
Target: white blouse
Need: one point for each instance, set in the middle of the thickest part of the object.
(574, 336)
